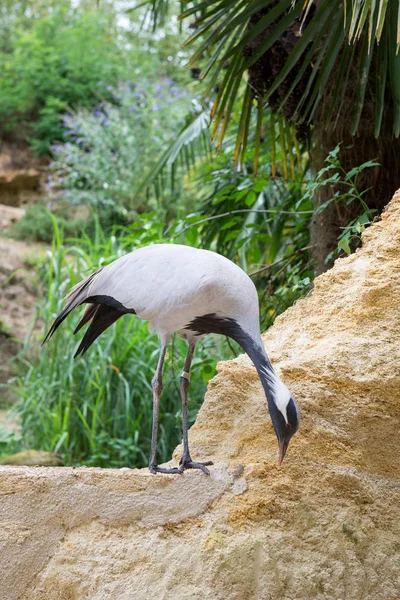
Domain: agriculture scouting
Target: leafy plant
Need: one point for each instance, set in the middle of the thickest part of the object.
(37, 223)
(344, 185)
(289, 54)
(67, 58)
(107, 149)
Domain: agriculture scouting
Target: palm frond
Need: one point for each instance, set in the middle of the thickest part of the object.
(193, 140)
(285, 56)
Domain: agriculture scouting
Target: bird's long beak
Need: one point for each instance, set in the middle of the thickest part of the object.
(283, 445)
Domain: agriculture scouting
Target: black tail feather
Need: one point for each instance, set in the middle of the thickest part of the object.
(103, 316)
(77, 296)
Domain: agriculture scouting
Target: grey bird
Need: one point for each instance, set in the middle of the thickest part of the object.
(191, 292)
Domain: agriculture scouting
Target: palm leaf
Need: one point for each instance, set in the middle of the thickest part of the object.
(230, 36)
(193, 138)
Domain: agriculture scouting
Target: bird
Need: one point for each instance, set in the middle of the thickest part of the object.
(192, 292)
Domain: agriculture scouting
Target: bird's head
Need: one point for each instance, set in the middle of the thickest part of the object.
(286, 420)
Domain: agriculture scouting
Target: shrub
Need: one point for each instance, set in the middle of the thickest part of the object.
(107, 150)
(66, 58)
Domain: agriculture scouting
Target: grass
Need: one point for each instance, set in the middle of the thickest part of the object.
(97, 409)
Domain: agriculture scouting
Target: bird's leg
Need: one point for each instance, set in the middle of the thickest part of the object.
(157, 385)
(186, 461)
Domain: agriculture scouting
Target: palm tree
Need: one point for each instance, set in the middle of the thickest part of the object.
(330, 69)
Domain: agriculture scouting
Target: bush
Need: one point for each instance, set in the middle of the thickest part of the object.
(66, 58)
(107, 150)
(37, 224)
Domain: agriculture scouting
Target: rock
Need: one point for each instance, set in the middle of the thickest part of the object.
(22, 175)
(20, 186)
(9, 215)
(325, 525)
(33, 458)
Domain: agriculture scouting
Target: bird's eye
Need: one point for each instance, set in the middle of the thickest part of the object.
(288, 426)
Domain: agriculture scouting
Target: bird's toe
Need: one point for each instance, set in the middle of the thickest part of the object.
(170, 471)
(190, 464)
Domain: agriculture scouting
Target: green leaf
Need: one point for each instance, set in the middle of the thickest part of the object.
(274, 35)
(344, 245)
(250, 198)
(356, 170)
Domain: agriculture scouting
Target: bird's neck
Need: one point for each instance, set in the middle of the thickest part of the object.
(275, 390)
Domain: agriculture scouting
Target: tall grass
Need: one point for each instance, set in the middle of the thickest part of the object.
(97, 409)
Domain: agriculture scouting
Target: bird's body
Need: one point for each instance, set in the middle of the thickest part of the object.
(185, 290)
(169, 285)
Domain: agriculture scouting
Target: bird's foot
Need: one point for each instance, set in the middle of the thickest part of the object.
(170, 471)
(190, 464)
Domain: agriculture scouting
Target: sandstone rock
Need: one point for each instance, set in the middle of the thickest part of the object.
(9, 215)
(325, 525)
(22, 175)
(19, 186)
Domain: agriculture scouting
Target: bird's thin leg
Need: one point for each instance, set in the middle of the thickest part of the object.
(186, 461)
(157, 385)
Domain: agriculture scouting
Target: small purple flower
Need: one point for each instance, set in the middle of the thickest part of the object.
(98, 113)
(69, 132)
(50, 205)
(132, 109)
(79, 140)
(159, 88)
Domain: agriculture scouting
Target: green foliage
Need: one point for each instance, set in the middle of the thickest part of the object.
(97, 409)
(347, 191)
(287, 54)
(193, 139)
(107, 150)
(9, 442)
(37, 223)
(66, 58)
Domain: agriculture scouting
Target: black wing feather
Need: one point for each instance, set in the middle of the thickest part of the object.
(103, 318)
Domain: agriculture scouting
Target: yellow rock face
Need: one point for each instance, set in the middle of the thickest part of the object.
(325, 525)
